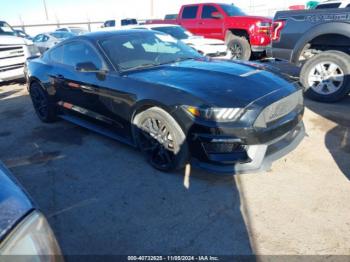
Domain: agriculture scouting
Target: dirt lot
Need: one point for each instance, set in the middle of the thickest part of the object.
(101, 197)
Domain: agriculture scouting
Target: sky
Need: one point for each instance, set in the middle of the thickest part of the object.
(16, 12)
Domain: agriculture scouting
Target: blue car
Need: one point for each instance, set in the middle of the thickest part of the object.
(23, 228)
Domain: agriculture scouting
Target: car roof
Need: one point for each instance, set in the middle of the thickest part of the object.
(106, 34)
(150, 26)
(100, 35)
(334, 2)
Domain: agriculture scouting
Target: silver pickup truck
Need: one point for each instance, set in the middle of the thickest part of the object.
(14, 51)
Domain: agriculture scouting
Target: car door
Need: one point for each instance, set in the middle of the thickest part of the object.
(208, 25)
(189, 19)
(88, 87)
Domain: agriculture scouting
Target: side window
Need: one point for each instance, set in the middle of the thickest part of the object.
(79, 52)
(38, 38)
(45, 38)
(56, 55)
(190, 12)
(208, 10)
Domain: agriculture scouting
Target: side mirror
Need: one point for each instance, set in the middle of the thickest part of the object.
(86, 67)
(89, 67)
(216, 15)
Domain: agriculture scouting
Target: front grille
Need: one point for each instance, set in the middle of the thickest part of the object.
(11, 51)
(223, 147)
(11, 67)
(279, 109)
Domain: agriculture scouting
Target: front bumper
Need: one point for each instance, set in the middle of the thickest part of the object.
(258, 157)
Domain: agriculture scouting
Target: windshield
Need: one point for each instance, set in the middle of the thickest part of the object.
(232, 10)
(6, 29)
(79, 31)
(62, 35)
(145, 49)
(175, 31)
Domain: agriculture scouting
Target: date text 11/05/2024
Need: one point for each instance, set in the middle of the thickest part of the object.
(173, 258)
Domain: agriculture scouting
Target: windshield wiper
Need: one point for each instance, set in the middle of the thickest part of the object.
(177, 60)
(142, 66)
(183, 59)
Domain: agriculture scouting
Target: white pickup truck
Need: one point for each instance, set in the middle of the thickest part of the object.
(14, 51)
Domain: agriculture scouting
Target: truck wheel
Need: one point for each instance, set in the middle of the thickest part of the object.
(239, 48)
(161, 139)
(326, 76)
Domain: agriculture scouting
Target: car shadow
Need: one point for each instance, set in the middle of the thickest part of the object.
(101, 197)
(337, 138)
(20, 81)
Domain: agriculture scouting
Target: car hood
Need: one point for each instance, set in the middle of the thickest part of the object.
(217, 82)
(195, 40)
(14, 40)
(14, 203)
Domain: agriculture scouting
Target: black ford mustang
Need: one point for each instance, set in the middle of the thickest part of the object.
(151, 91)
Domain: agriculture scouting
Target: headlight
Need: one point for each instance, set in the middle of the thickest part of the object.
(33, 50)
(215, 114)
(32, 237)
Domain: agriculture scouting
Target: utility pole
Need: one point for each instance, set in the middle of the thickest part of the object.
(152, 8)
(47, 16)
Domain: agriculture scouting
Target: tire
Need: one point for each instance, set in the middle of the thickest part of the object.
(239, 48)
(161, 139)
(326, 76)
(44, 107)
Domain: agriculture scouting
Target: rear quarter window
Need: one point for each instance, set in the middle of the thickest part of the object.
(190, 12)
(56, 55)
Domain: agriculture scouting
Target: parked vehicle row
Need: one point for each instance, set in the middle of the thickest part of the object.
(156, 88)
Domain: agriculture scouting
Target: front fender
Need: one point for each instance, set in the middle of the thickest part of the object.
(318, 30)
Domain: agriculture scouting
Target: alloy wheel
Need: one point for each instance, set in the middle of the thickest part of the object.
(157, 142)
(236, 51)
(326, 78)
(39, 101)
